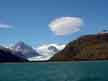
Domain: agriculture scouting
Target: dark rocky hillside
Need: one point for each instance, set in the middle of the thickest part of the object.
(6, 55)
(88, 47)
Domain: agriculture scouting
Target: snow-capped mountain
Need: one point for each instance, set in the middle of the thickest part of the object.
(24, 50)
(47, 51)
(6, 55)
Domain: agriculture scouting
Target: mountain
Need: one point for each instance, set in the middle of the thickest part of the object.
(46, 51)
(6, 55)
(49, 49)
(88, 47)
(23, 50)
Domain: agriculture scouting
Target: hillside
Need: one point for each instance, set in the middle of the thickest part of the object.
(88, 47)
(6, 55)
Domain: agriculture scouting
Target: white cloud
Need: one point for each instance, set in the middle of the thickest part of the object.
(66, 25)
(5, 26)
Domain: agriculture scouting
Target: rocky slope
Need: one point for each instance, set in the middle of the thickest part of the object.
(88, 47)
(24, 51)
(6, 55)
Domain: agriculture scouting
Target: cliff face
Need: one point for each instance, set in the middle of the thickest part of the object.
(89, 47)
(6, 55)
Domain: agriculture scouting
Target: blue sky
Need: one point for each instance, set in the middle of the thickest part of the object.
(30, 18)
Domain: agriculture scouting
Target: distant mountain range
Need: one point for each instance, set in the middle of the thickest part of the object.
(88, 47)
(21, 52)
(47, 51)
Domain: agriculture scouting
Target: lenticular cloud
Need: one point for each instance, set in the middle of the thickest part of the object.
(66, 25)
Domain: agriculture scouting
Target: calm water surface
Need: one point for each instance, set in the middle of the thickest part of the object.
(61, 71)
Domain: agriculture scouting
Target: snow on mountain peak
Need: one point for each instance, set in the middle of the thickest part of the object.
(49, 49)
(46, 51)
(26, 50)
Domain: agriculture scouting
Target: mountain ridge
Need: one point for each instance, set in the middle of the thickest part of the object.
(23, 50)
(87, 47)
(6, 55)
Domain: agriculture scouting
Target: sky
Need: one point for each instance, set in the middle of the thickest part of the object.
(44, 21)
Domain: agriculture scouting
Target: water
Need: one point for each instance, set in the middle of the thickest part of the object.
(61, 71)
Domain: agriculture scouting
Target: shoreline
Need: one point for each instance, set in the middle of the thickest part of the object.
(55, 61)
